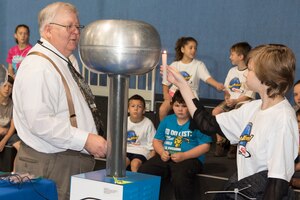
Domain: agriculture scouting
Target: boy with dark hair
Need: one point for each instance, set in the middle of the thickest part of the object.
(139, 135)
(8, 134)
(180, 150)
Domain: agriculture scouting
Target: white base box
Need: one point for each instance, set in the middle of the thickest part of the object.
(96, 185)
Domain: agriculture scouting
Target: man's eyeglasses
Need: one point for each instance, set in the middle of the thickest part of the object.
(69, 28)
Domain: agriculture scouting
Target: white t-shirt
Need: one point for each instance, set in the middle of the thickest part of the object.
(6, 113)
(193, 72)
(235, 83)
(269, 141)
(140, 136)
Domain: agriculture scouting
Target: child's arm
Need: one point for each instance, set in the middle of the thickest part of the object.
(193, 153)
(150, 136)
(234, 102)
(9, 133)
(226, 95)
(205, 122)
(159, 148)
(9, 62)
(219, 86)
(10, 70)
(166, 94)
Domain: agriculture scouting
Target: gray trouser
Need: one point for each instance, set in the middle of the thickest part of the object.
(58, 167)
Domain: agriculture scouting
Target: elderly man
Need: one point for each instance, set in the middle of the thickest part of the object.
(54, 111)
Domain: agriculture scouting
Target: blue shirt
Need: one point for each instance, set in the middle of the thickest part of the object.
(180, 138)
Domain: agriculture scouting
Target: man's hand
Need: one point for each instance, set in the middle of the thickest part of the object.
(96, 145)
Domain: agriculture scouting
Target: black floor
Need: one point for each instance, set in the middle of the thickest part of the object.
(215, 174)
(219, 166)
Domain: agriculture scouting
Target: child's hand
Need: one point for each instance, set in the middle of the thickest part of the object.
(3, 131)
(220, 87)
(178, 157)
(174, 76)
(165, 156)
(231, 102)
(161, 71)
(226, 94)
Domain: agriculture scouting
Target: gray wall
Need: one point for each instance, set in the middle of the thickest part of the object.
(216, 24)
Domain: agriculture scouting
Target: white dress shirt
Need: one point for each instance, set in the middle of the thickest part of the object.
(41, 113)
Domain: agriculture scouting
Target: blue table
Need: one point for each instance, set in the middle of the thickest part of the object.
(35, 190)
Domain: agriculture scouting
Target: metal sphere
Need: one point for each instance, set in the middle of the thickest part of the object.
(120, 47)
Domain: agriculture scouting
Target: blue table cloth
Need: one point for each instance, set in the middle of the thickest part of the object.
(31, 190)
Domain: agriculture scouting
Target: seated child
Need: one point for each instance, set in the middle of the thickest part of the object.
(180, 150)
(236, 91)
(140, 134)
(297, 95)
(8, 135)
(295, 181)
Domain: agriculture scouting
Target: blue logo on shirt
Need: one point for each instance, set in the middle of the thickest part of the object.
(131, 137)
(234, 84)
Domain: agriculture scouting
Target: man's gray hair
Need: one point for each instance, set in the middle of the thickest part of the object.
(48, 14)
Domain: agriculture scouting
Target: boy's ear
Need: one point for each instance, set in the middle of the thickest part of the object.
(241, 56)
(15, 36)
